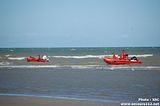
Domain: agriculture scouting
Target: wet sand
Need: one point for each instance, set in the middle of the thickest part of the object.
(39, 101)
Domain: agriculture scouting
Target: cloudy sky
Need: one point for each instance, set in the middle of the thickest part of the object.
(79, 23)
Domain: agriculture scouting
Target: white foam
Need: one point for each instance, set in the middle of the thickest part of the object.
(16, 58)
(97, 56)
(11, 50)
(73, 49)
(80, 57)
(83, 66)
(133, 68)
(143, 55)
(4, 63)
(63, 97)
(7, 55)
(51, 66)
(99, 67)
(30, 66)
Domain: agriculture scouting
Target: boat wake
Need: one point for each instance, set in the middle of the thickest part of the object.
(16, 58)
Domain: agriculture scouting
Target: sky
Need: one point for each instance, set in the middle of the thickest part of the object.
(79, 23)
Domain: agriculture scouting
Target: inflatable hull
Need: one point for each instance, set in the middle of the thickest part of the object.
(121, 61)
(32, 59)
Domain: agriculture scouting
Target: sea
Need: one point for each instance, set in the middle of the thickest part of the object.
(80, 74)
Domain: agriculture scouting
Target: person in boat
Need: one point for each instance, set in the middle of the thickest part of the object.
(39, 57)
(114, 56)
(124, 55)
(120, 56)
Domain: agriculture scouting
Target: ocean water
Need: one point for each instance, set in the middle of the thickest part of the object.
(80, 73)
(76, 56)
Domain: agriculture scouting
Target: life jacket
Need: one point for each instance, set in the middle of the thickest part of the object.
(123, 55)
(114, 56)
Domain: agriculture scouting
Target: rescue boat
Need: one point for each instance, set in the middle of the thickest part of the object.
(122, 59)
(33, 59)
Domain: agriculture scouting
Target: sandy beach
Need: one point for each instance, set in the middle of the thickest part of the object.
(39, 101)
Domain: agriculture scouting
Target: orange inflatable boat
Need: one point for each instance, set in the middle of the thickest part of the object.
(122, 59)
(33, 59)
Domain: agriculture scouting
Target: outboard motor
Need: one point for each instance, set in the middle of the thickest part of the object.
(134, 58)
(45, 57)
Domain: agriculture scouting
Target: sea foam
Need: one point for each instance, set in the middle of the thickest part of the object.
(80, 57)
(4, 63)
(143, 55)
(16, 58)
(98, 56)
(98, 67)
(7, 55)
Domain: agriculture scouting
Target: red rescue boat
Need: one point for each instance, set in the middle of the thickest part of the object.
(122, 59)
(33, 59)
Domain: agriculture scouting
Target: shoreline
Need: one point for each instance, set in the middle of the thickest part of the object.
(42, 101)
(59, 98)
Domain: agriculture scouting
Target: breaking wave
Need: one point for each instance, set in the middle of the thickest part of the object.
(144, 55)
(16, 58)
(11, 50)
(97, 56)
(80, 57)
(73, 49)
(7, 55)
(4, 63)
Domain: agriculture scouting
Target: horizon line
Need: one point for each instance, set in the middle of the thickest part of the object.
(90, 47)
